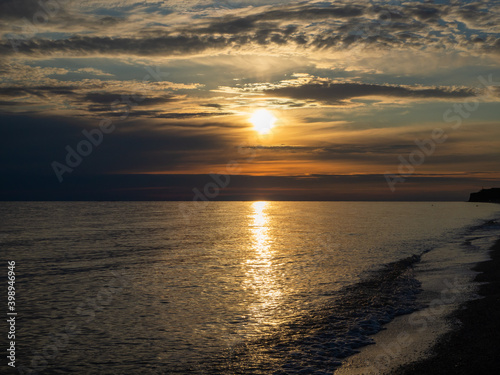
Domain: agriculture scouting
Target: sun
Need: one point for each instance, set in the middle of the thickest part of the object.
(263, 121)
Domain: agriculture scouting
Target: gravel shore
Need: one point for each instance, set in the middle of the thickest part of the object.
(474, 346)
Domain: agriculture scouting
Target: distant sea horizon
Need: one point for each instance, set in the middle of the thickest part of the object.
(203, 187)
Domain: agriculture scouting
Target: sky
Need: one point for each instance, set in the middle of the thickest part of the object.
(215, 100)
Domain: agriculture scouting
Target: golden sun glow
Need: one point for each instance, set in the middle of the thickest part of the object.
(263, 121)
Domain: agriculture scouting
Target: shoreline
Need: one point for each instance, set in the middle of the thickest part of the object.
(471, 347)
(447, 282)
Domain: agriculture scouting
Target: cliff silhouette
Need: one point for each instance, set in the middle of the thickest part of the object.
(486, 195)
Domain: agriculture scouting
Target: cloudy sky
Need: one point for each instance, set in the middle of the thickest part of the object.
(354, 99)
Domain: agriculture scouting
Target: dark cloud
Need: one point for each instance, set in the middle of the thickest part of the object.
(336, 93)
(342, 26)
(110, 98)
(213, 105)
(261, 28)
(10, 9)
(110, 21)
(390, 14)
(264, 28)
(30, 144)
(118, 105)
(178, 115)
(342, 149)
(308, 12)
(377, 152)
(109, 104)
(425, 12)
(7, 103)
(40, 91)
(134, 112)
(236, 25)
(13, 91)
(82, 45)
(26, 17)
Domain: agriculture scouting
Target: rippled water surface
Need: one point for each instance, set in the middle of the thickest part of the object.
(233, 287)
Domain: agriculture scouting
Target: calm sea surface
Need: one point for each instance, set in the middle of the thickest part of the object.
(230, 288)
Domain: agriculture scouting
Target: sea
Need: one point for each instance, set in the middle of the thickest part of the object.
(225, 287)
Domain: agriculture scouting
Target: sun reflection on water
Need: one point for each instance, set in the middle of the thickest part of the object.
(261, 275)
(260, 231)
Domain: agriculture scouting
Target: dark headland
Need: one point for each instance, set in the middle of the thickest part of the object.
(486, 195)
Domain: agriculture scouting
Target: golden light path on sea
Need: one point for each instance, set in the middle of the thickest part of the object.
(260, 273)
